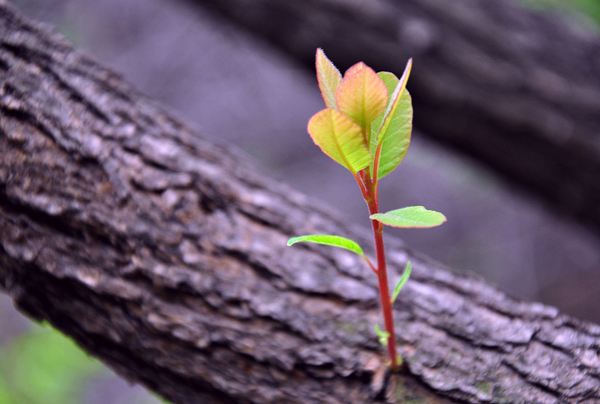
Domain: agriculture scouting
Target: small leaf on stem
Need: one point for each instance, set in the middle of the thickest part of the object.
(402, 281)
(328, 77)
(330, 240)
(340, 138)
(410, 217)
(382, 335)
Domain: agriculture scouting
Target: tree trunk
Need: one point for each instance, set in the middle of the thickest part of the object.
(164, 256)
(517, 89)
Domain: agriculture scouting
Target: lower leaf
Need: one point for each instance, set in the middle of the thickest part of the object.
(402, 281)
(330, 240)
(382, 335)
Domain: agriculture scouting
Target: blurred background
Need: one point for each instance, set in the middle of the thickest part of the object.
(235, 88)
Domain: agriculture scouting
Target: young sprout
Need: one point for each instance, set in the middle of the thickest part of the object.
(366, 128)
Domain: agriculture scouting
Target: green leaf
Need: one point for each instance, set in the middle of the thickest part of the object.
(340, 138)
(330, 240)
(396, 140)
(402, 281)
(390, 80)
(328, 77)
(392, 130)
(382, 335)
(410, 217)
(362, 95)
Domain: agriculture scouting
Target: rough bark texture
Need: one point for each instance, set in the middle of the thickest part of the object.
(516, 89)
(164, 256)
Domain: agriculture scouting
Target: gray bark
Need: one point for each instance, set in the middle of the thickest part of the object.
(516, 89)
(164, 256)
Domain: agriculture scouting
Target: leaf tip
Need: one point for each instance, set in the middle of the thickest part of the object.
(319, 56)
(407, 69)
(328, 77)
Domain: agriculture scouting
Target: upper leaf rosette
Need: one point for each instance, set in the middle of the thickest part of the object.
(368, 116)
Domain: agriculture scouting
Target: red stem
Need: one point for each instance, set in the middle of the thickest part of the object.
(361, 184)
(370, 264)
(384, 291)
(376, 173)
(369, 189)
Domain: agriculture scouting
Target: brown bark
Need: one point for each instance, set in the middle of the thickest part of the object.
(517, 89)
(164, 256)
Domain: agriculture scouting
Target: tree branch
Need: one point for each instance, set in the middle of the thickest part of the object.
(164, 256)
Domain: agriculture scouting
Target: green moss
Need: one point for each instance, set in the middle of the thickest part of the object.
(485, 387)
(348, 327)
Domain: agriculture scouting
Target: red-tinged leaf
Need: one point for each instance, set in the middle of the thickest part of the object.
(340, 138)
(362, 95)
(328, 77)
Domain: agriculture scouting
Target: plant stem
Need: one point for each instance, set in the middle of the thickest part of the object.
(369, 189)
(384, 291)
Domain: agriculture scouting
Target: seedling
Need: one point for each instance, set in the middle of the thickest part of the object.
(366, 127)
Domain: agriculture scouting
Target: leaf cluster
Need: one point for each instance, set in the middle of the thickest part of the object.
(365, 111)
(367, 124)
(366, 127)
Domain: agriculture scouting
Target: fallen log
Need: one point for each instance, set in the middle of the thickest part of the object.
(164, 255)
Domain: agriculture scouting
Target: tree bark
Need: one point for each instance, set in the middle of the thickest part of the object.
(517, 89)
(164, 256)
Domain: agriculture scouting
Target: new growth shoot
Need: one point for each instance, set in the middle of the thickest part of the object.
(366, 127)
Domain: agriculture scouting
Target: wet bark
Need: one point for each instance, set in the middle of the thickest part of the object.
(164, 256)
(517, 89)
